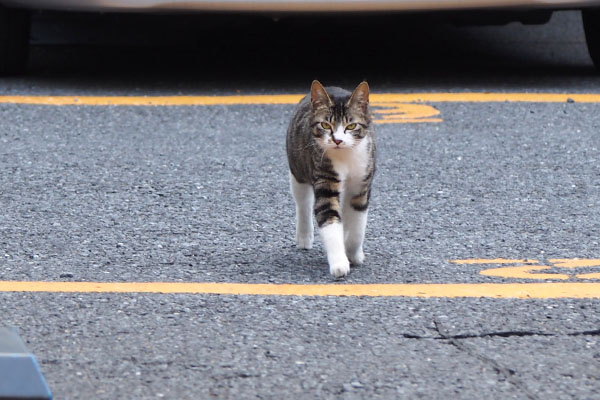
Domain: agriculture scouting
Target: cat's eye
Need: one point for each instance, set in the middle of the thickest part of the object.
(326, 125)
(351, 127)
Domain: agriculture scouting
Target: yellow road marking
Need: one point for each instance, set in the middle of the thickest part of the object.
(402, 113)
(487, 97)
(150, 100)
(593, 275)
(389, 108)
(393, 112)
(575, 262)
(294, 98)
(452, 290)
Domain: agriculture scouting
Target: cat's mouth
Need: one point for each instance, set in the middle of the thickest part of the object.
(341, 146)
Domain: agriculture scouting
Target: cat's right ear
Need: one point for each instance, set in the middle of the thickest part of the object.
(319, 97)
(360, 97)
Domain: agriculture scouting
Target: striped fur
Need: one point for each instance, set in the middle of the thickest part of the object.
(331, 155)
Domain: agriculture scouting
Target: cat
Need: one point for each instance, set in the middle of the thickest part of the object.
(330, 148)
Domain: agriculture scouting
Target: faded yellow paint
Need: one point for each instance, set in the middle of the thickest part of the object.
(593, 275)
(579, 263)
(575, 262)
(523, 272)
(392, 120)
(452, 290)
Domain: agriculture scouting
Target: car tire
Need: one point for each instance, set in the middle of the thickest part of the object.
(591, 26)
(14, 40)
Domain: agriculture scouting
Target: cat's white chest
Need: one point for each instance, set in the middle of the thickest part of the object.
(351, 166)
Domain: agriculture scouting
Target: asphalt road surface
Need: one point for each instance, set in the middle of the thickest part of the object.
(476, 191)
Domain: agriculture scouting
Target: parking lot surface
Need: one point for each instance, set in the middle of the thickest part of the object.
(147, 229)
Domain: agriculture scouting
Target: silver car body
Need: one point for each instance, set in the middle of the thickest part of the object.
(292, 6)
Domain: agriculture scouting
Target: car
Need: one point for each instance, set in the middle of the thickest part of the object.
(15, 15)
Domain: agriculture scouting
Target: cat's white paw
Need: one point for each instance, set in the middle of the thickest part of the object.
(305, 241)
(357, 257)
(340, 267)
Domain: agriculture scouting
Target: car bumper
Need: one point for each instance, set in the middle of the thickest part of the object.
(292, 6)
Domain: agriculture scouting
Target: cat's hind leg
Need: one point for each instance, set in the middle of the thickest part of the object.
(305, 198)
(355, 224)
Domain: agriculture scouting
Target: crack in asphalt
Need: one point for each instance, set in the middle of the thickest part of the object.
(594, 332)
(508, 373)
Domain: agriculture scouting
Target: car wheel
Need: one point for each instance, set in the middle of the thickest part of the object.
(591, 25)
(14, 40)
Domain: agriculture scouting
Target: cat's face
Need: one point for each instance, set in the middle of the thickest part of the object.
(339, 120)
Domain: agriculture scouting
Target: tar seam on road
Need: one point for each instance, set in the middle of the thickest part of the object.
(294, 98)
(581, 290)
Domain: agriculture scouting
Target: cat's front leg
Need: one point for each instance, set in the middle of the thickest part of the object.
(333, 239)
(329, 219)
(355, 224)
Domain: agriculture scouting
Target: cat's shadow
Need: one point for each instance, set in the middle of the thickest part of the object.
(290, 264)
(293, 264)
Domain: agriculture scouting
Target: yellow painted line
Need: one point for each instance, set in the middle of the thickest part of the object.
(451, 290)
(593, 275)
(150, 100)
(487, 97)
(294, 98)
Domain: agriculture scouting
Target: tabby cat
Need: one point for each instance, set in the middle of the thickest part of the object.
(331, 154)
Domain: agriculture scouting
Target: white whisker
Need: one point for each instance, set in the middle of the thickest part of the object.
(323, 156)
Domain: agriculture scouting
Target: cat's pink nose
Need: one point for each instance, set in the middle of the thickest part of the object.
(337, 141)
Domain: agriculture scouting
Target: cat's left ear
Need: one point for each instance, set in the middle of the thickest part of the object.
(319, 97)
(360, 97)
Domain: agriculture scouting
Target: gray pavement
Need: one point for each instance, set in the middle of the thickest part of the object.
(200, 194)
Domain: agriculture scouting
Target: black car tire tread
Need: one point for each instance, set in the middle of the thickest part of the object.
(14, 40)
(591, 25)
